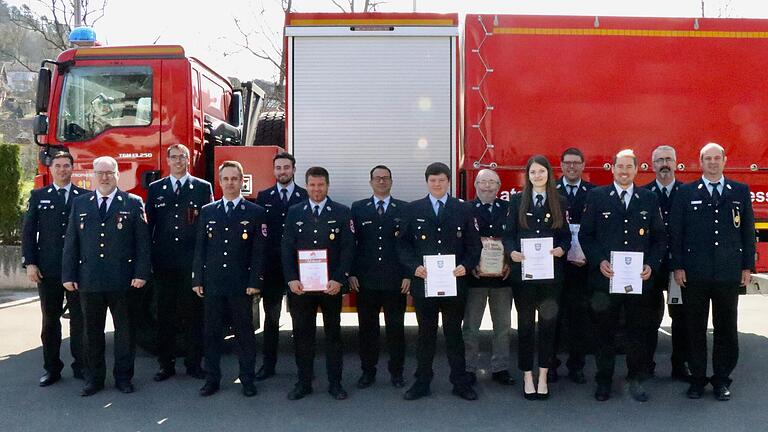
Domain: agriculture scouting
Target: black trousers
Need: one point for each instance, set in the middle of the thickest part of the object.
(94, 306)
(303, 315)
(725, 347)
(574, 322)
(529, 298)
(52, 295)
(239, 309)
(428, 311)
(679, 331)
(272, 299)
(639, 321)
(179, 311)
(369, 304)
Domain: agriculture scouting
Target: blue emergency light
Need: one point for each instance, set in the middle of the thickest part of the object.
(82, 36)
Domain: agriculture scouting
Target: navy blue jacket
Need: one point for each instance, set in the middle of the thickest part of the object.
(229, 250)
(173, 221)
(376, 265)
(713, 242)
(106, 255)
(45, 224)
(492, 224)
(575, 204)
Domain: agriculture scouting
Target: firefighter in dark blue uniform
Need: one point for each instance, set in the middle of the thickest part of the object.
(106, 254)
(318, 224)
(228, 270)
(378, 277)
(276, 200)
(439, 224)
(665, 186)
(573, 318)
(713, 253)
(45, 224)
(622, 217)
(173, 210)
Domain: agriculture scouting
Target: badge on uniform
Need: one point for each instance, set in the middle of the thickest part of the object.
(477, 227)
(641, 232)
(423, 237)
(332, 236)
(245, 235)
(120, 223)
(546, 217)
(351, 226)
(736, 218)
(264, 230)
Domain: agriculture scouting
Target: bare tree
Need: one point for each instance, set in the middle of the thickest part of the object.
(58, 18)
(349, 5)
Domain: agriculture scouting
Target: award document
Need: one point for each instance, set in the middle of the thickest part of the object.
(674, 293)
(539, 263)
(440, 280)
(627, 267)
(313, 269)
(491, 257)
(575, 253)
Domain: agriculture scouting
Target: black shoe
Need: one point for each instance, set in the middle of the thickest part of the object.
(637, 391)
(337, 392)
(577, 376)
(249, 390)
(78, 374)
(366, 380)
(197, 373)
(398, 381)
(208, 389)
(465, 392)
(91, 389)
(124, 386)
(472, 378)
(265, 373)
(722, 393)
(603, 393)
(542, 396)
(299, 391)
(530, 396)
(681, 373)
(417, 391)
(652, 369)
(49, 378)
(695, 391)
(503, 378)
(552, 375)
(164, 373)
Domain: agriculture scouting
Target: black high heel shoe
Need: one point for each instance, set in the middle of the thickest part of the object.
(530, 396)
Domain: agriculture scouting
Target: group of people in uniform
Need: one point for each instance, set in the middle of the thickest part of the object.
(210, 259)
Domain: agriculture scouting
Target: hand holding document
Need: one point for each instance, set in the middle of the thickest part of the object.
(440, 281)
(627, 267)
(313, 269)
(491, 257)
(538, 264)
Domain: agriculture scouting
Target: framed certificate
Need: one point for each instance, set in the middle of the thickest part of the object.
(627, 267)
(491, 257)
(440, 280)
(313, 269)
(539, 263)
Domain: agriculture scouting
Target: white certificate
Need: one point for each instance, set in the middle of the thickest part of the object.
(674, 293)
(313, 269)
(539, 263)
(491, 257)
(627, 267)
(575, 253)
(440, 280)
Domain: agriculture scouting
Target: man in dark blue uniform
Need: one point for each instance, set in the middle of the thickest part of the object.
(316, 226)
(173, 209)
(228, 270)
(665, 186)
(106, 254)
(574, 305)
(276, 200)
(622, 217)
(439, 224)
(713, 253)
(378, 277)
(45, 224)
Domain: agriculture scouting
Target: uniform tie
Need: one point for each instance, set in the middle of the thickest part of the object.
(316, 211)
(664, 197)
(178, 187)
(571, 190)
(539, 200)
(230, 207)
(380, 208)
(284, 192)
(488, 207)
(103, 208)
(63, 194)
(623, 198)
(715, 192)
(440, 207)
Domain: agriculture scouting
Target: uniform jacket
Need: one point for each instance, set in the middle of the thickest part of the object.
(376, 265)
(575, 204)
(173, 221)
(45, 225)
(539, 225)
(229, 250)
(456, 232)
(491, 224)
(106, 255)
(665, 205)
(713, 242)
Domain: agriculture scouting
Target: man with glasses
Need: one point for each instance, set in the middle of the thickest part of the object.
(173, 209)
(378, 277)
(45, 224)
(106, 255)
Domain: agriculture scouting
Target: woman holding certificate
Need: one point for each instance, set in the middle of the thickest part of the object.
(537, 239)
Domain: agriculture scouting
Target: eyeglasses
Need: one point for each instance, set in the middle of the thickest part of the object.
(177, 157)
(382, 179)
(104, 173)
(487, 182)
(572, 163)
(663, 160)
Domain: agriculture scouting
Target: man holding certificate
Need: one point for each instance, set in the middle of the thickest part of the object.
(439, 243)
(487, 283)
(537, 239)
(622, 234)
(317, 253)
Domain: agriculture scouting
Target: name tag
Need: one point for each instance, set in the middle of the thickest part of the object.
(45, 201)
(366, 223)
(331, 221)
(696, 202)
(419, 220)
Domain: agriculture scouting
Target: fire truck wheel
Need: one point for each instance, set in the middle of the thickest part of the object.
(270, 130)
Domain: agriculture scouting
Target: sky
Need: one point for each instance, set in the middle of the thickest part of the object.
(209, 33)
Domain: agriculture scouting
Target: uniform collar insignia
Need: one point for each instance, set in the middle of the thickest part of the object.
(74, 191)
(653, 188)
(243, 222)
(393, 204)
(165, 187)
(613, 192)
(50, 190)
(191, 186)
(119, 198)
(297, 194)
(700, 185)
(305, 206)
(636, 195)
(498, 205)
(728, 185)
(328, 208)
(477, 205)
(299, 223)
(369, 203)
(559, 185)
(643, 212)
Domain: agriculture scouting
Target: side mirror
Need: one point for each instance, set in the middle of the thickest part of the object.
(43, 90)
(236, 110)
(40, 125)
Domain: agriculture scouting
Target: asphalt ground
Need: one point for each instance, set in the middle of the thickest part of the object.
(174, 405)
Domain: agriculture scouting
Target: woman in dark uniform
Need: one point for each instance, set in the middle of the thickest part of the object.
(537, 212)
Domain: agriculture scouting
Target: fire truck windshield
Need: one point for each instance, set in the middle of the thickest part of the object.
(94, 99)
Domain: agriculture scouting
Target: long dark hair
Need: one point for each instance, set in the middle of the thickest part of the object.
(553, 198)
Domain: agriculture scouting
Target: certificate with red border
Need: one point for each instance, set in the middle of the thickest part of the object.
(313, 269)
